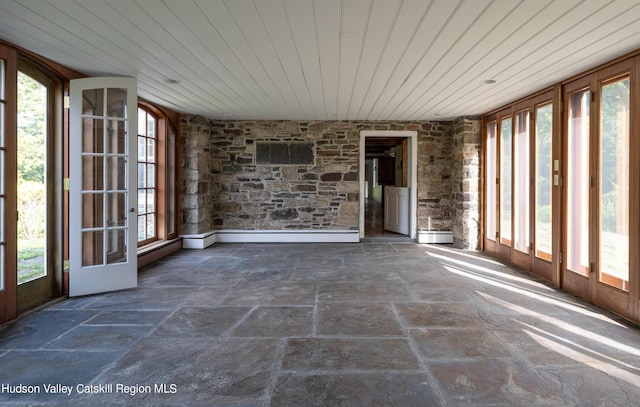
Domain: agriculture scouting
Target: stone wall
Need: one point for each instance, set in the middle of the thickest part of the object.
(466, 183)
(434, 176)
(195, 184)
(223, 186)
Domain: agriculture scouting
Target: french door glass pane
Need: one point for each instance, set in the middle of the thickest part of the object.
(505, 181)
(521, 183)
(577, 184)
(614, 184)
(92, 102)
(491, 163)
(92, 135)
(116, 246)
(92, 210)
(31, 156)
(95, 241)
(104, 169)
(543, 182)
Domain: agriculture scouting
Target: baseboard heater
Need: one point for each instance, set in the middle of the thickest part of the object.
(203, 240)
(435, 236)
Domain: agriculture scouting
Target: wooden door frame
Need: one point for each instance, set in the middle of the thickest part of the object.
(8, 295)
(412, 137)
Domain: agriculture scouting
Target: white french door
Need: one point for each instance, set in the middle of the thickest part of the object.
(103, 202)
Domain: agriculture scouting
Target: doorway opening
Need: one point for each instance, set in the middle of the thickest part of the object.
(388, 184)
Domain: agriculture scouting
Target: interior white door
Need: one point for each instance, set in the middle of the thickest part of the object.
(396, 209)
(102, 208)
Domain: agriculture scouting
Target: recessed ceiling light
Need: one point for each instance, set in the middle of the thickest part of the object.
(488, 82)
(170, 81)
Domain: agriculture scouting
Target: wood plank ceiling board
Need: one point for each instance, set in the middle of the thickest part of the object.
(456, 62)
(554, 52)
(328, 59)
(327, 15)
(211, 51)
(301, 19)
(277, 27)
(472, 65)
(410, 17)
(355, 19)
(381, 19)
(246, 18)
(531, 31)
(438, 62)
(431, 40)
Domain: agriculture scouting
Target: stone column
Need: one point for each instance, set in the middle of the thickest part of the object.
(195, 174)
(466, 182)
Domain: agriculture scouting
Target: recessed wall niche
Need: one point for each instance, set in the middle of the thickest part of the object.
(284, 153)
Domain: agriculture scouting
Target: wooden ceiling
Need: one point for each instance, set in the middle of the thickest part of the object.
(328, 59)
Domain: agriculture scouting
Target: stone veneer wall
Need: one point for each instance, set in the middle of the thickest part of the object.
(222, 187)
(466, 183)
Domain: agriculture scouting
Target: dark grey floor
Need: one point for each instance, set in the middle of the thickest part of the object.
(371, 324)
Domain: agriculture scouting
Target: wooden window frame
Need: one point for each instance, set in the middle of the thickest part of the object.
(164, 122)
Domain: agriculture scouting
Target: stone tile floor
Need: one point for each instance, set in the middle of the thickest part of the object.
(379, 323)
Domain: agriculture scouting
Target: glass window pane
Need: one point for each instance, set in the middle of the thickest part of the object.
(1, 124)
(93, 102)
(142, 151)
(151, 176)
(92, 135)
(151, 150)
(577, 183)
(151, 207)
(1, 267)
(31, 171)
(141, 231)
(92, 248)
(151, 126)
(1, 78)
(521, 183)
(116, 137)
(116, 246)
(491, 163)
(151, 226)
(92, 210)
(614, 184)
(142, 176)
(142, 120)
(142, 201)
(116, 102)
(1, 220)
(116, 170)
(116, 209)
(543, 186)
(505, 181)
(2, 172)
(92, 173)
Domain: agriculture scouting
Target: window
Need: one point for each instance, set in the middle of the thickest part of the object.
(147, 169)
(543, 184)
(32, 179)
(614, 183)
(490, 181)
(505, 181)
(157, 173)
(578, 182)
(521, 182)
